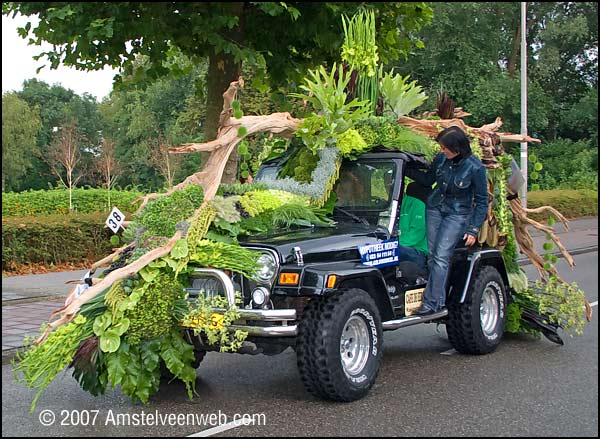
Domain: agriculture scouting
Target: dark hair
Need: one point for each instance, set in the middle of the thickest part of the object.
(456, 140)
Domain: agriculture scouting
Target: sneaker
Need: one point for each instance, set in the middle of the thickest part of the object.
(423, 310)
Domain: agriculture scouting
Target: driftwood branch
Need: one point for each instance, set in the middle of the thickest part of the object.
(432, 128)
(525, 241)
(227, 139)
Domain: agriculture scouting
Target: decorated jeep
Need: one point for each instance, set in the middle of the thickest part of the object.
(329, 292)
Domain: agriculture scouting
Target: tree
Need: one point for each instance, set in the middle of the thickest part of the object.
(20, 126)
(108, 166)
(165, 163)
(469, 47)
(64, 156)
(57, 106)
(92, 35)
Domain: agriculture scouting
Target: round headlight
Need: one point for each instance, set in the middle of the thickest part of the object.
(260, 296)
(268, 267)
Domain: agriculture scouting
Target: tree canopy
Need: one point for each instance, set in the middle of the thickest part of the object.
(20, 126)
(283, 38)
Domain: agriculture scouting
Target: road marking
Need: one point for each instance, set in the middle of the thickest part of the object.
(221, 428)
(594, 303)
(450, 352)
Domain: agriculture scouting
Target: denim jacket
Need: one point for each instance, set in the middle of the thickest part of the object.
(461, 188)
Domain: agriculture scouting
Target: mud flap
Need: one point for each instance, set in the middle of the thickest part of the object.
(550, 331)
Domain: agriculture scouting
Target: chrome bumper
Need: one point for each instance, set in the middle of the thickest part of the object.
(279, 317)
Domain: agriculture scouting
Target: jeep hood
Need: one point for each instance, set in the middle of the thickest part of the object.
(319, 244)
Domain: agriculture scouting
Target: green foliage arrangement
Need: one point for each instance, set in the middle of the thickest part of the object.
(383, 131)
(300, 165)
(123, 334)
(560, 304)
(326, 93)
(359, 52)
(38, 366)
(160, 217)
(203, 319)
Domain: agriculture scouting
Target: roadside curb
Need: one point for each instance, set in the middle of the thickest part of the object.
(578, 251)
(11, 302)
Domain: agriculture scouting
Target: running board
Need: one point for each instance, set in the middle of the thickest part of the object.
(390, 325)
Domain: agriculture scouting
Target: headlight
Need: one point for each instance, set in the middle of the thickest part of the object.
(210, 287)
(260, 296)
(268, 267)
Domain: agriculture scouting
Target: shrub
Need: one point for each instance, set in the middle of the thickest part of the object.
(571, 203)
(567, 165)
(54, 239)
(56, 201)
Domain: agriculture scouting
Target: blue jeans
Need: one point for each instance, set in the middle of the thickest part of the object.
(412, 255)
(444, 230)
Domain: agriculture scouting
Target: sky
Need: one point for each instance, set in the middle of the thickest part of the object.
(18, 65)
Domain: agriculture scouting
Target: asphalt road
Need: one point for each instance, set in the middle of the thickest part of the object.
(528, 387)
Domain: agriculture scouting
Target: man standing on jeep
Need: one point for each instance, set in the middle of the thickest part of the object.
(458, 202)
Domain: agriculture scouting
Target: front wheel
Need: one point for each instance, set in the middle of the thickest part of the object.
(477, 326)
(339, 345)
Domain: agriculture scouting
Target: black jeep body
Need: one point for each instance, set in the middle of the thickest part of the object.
(319, 295)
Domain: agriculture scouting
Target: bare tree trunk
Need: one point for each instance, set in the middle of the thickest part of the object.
(222, 70)
(512, 60)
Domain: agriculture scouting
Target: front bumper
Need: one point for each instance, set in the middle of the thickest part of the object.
(256, 322)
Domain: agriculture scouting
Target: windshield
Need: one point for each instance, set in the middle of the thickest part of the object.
(365, 189)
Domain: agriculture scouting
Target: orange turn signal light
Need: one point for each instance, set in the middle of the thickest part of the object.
(289, 278)
(331, 280)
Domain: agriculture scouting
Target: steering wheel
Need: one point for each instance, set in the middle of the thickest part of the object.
(376, 201)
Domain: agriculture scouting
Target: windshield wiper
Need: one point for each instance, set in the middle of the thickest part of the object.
(351, 215)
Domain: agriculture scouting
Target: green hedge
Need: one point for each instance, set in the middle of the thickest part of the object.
(54, 239)
(56, 201)
(571, 203)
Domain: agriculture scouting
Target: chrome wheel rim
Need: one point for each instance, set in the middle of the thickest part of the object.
(489, 310)
(354, 345)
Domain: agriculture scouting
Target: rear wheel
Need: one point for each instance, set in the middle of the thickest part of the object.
(477, 326)
(339, 345)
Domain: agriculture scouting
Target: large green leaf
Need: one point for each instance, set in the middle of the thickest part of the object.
(110, 340)
(400, 97)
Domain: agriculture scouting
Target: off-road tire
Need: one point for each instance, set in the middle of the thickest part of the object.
(477, 326)
(327, 369)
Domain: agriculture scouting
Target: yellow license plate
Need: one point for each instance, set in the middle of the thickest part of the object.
(216, 322)
(412, 300)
